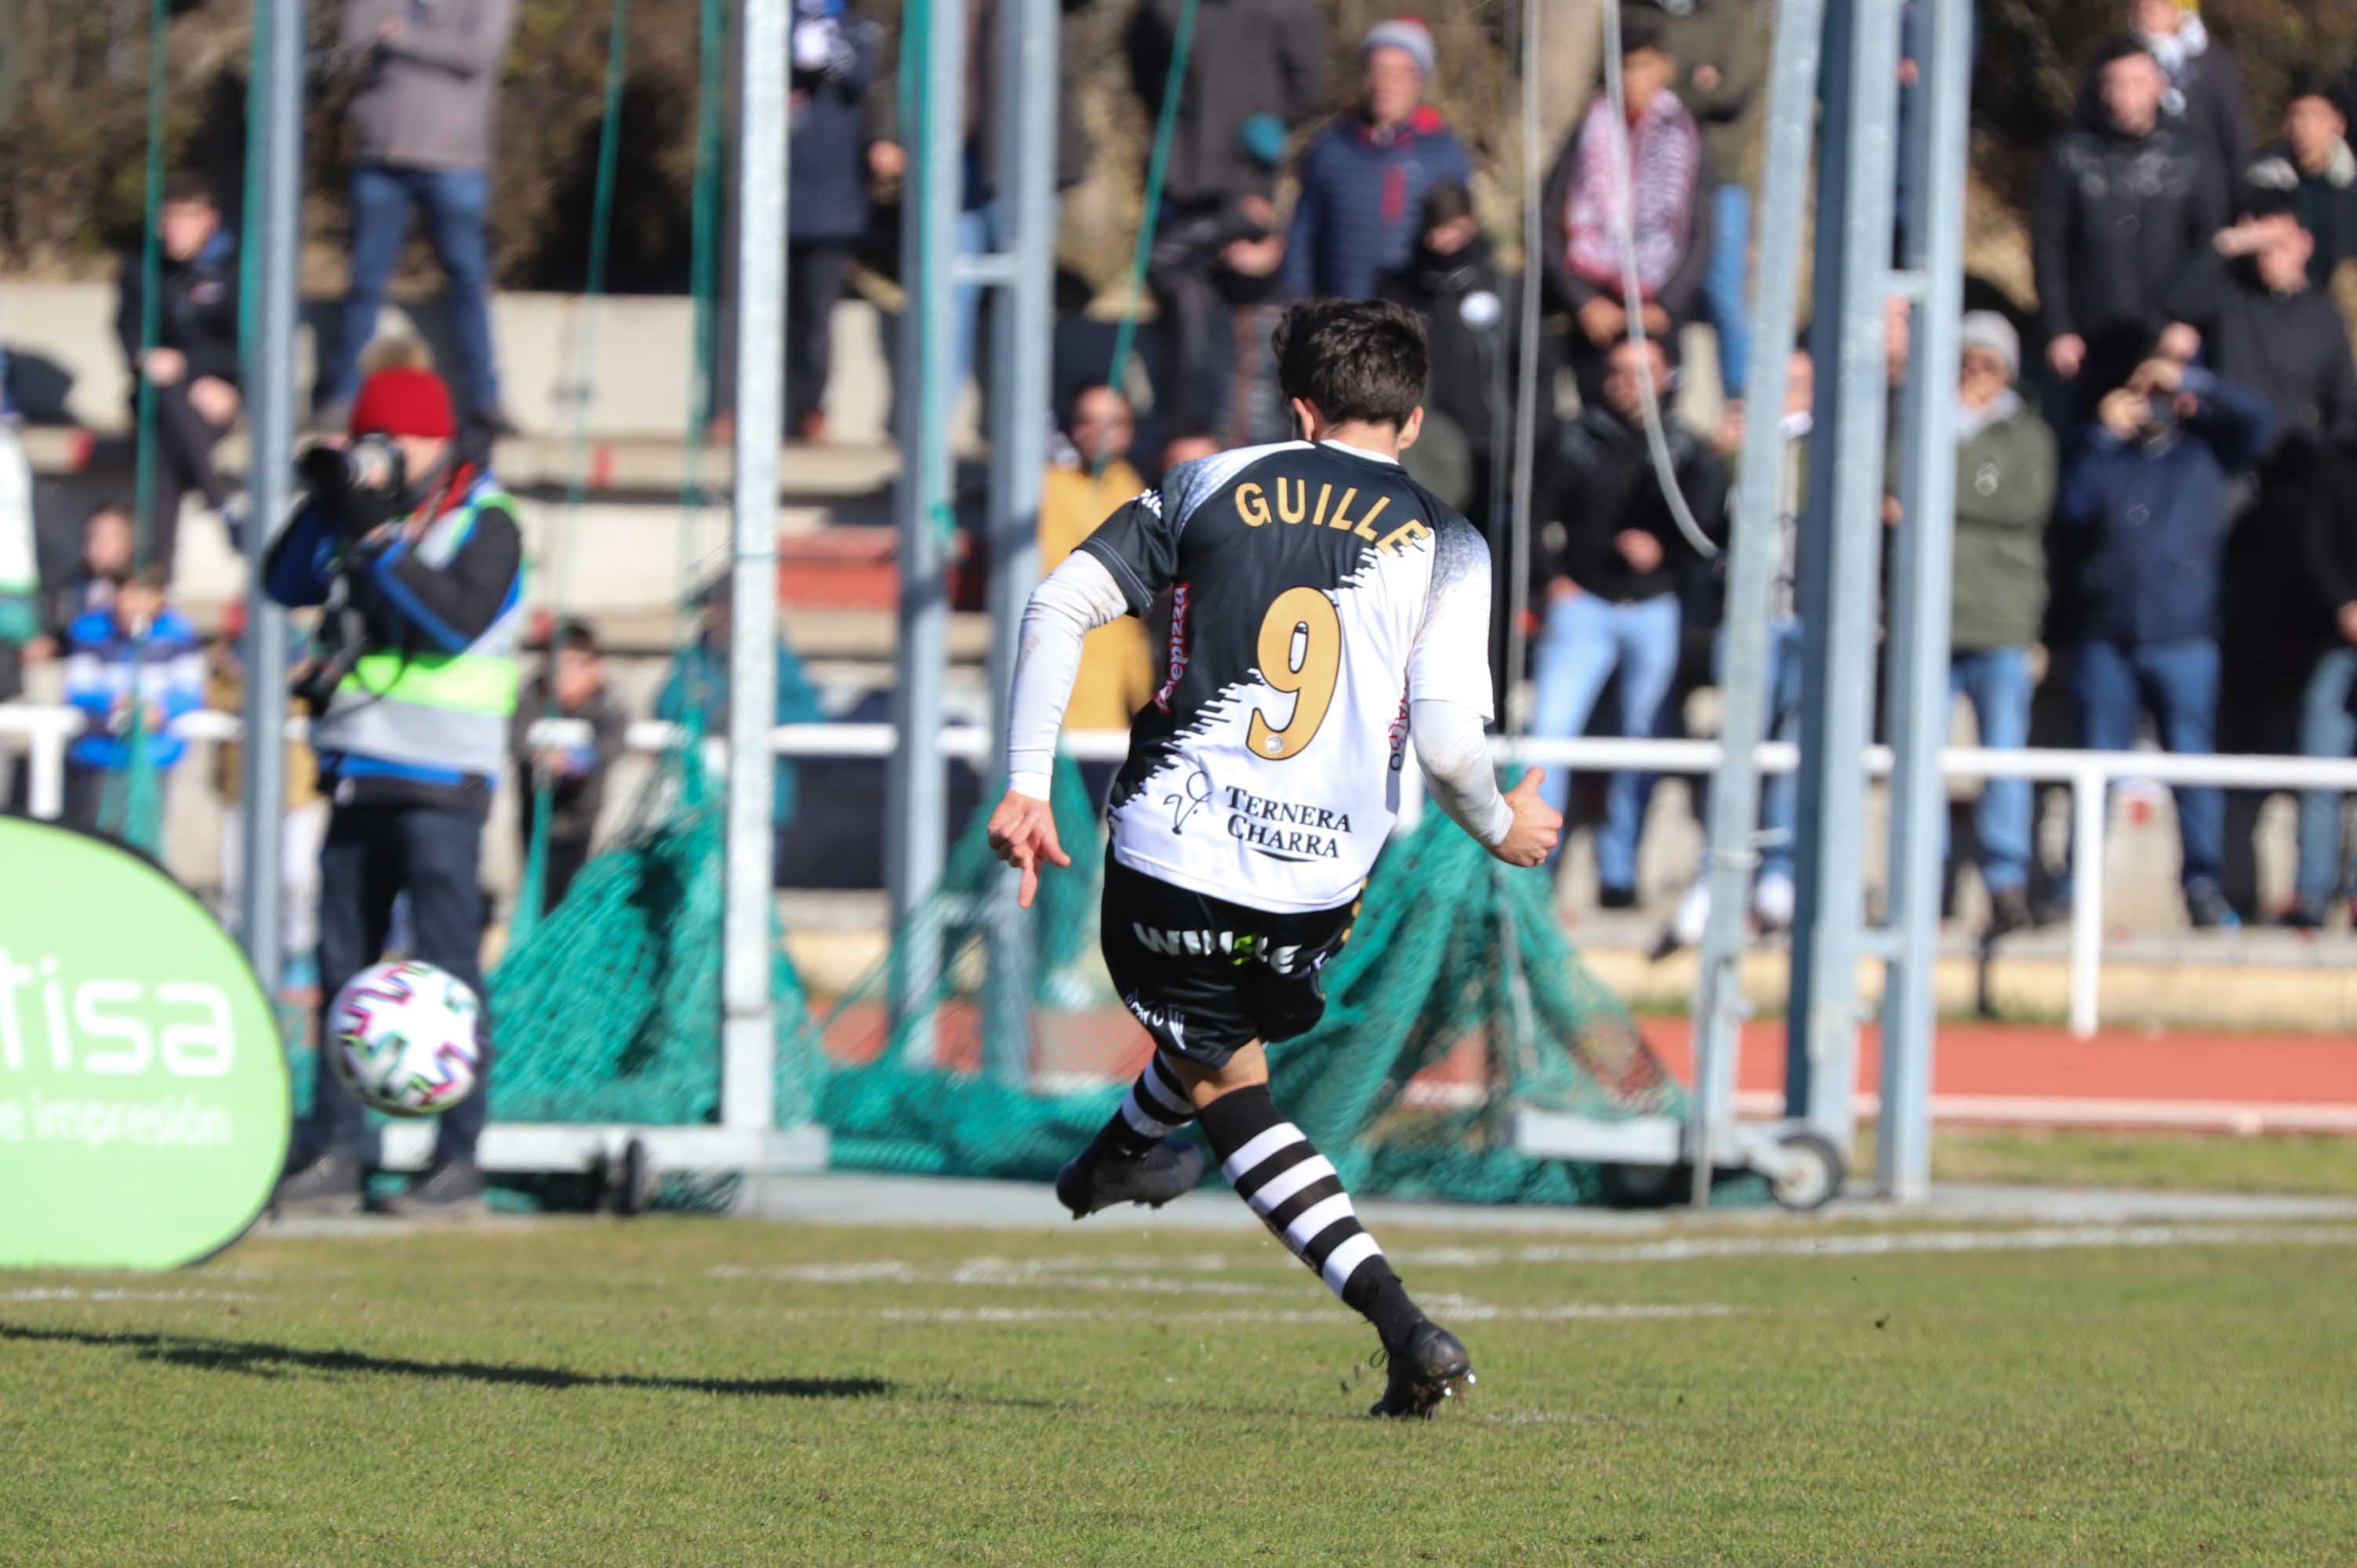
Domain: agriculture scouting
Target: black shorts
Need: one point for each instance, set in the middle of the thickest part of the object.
(1207, 977)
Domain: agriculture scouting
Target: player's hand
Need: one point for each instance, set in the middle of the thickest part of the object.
(1023, 834)
(1538, 825)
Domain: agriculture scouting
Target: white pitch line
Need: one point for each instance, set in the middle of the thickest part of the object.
(1468, 1312)
(76, 1293)
(1693, 1249)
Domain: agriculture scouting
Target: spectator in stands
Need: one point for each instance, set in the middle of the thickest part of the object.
(2005, 494)
(1255, 72)
(421, 138)
(1188, 445)
(1116, 677)
(1654, 167)
(1469, 318)
(2263, 325)
(571, 685)
(2121, 201)
(982, 220)
(1722, 48)
(1363, 181)
(1606, 571)
(110, 551)
(192, 369)
(2312, 166)
(1773, 894)
(2319, 480)
(1221, 308)
(20, 564)
(828, 204)
(132, 665)
(697, 687)
(2205, 85)
(2144, 511)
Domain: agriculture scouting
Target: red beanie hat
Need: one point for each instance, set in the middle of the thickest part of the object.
(404, 401)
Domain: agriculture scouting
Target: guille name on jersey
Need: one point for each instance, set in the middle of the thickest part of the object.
(1293, 506)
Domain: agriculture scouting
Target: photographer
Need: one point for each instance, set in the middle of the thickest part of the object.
(412, 552)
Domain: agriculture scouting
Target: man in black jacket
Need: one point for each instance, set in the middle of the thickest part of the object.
(2312, 167)
(1467, 305)
(2263, 326)
(2317, 481)
(192, 368)
(1607, 571)
(2121, 200)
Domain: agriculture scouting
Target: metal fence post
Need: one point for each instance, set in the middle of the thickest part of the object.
(1841, 553)
(1018, 445)
(750, 1032)
(1751, 580)
(270, 474)
(916, 788)
(1919, 640)
(2090, 804)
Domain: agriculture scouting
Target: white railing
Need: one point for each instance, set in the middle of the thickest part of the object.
(45, 732)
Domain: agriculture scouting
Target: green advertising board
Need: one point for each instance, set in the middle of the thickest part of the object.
(142, 1083)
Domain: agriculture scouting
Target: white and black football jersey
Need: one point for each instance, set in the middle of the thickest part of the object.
(1315, 590)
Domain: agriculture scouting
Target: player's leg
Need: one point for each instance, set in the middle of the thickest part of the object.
(1144, 928)
(1299, 1196)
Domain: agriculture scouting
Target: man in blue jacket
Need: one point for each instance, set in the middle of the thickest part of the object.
(1363, 181)
(2143, 524)
(419, 568)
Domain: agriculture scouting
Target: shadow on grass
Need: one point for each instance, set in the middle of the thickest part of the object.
(261, 1358)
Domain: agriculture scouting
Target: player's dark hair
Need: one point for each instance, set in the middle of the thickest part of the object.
(2311, 83)
(1445, 202)
(578, 635)
(2119, 46)
(1357, 360)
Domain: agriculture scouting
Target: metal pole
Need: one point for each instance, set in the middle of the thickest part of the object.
(1018, 443)
(916, 796)
(2090, 815)
(1527, 385)
(1841, 557)
(276, 234)
(750, 1032)
(1751, 580)
(1919, 640)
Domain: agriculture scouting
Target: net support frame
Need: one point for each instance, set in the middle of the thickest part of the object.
(916, 775)
(1841, 559)
(1932, 254)
(1750, 582)
(274, 115)
(1019, 412)
(748, 1027)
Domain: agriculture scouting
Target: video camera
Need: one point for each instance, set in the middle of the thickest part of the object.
(358, 486)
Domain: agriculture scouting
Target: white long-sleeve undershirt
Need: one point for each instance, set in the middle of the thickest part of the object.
(1455, 757)
(1071, 602)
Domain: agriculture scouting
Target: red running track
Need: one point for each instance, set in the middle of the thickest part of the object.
(2041, 1076)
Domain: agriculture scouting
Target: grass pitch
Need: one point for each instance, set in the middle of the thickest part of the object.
(674, 1391)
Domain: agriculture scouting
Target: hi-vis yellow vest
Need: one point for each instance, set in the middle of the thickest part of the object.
(426, 708)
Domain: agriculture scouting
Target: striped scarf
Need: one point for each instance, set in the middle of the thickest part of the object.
(1664, 149)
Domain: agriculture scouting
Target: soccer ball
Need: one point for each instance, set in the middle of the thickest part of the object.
(403, 1036)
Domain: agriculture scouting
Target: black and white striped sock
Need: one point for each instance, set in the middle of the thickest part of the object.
(1156, 1106)
(1299, 1196)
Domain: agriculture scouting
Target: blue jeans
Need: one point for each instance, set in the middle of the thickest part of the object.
(2112, 683)
(1995, 680)
(1722, 281)
(383, 201)
(1586, 639)
(2327, 728)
